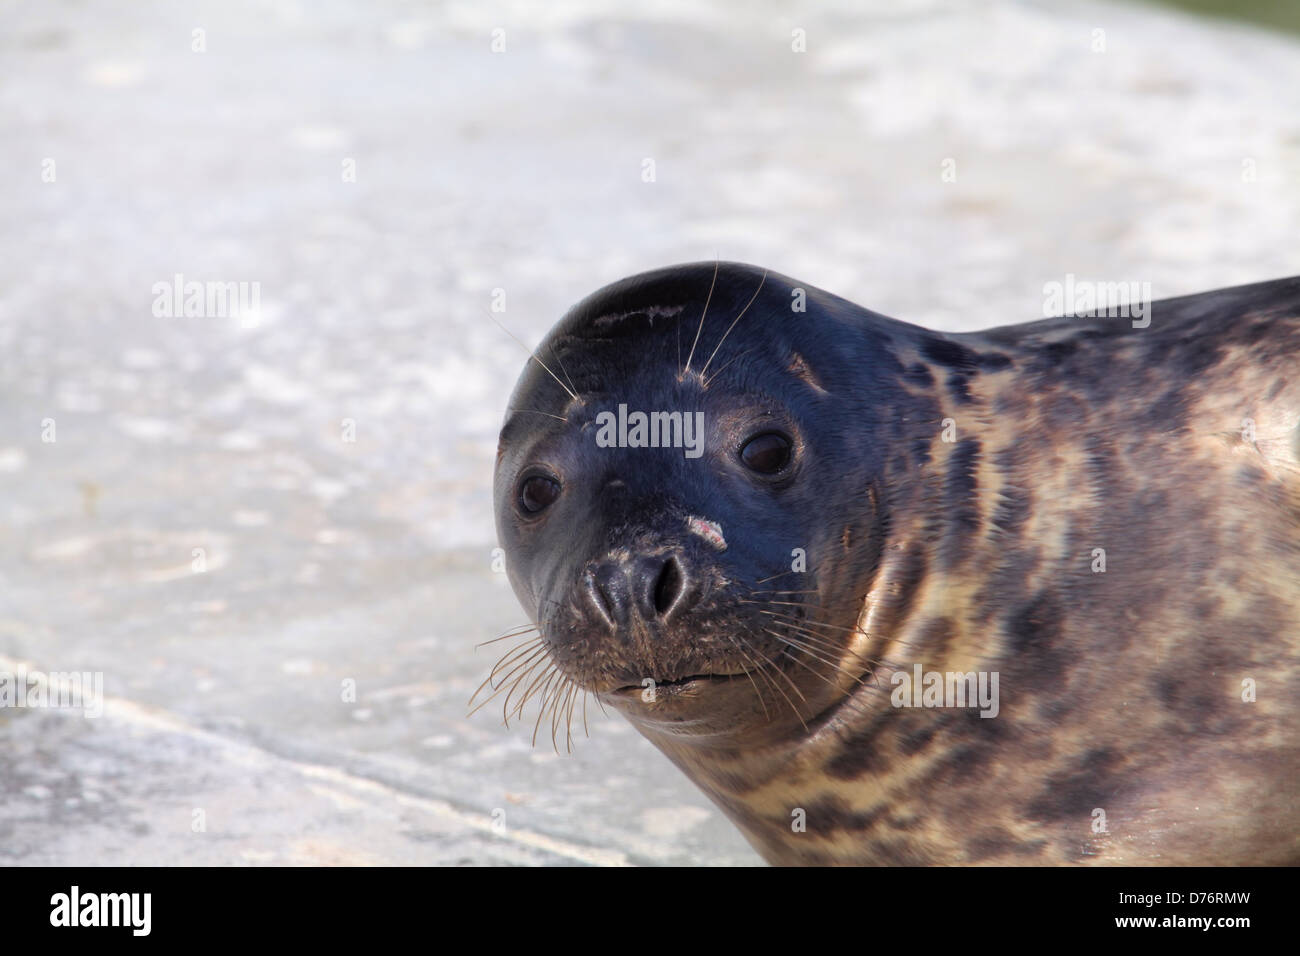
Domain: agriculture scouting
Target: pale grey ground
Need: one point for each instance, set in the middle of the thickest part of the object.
(329, 561)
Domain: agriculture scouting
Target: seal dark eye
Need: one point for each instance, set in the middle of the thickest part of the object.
(537, 492)
(767, 453)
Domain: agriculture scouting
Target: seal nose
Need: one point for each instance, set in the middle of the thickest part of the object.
(654, 588)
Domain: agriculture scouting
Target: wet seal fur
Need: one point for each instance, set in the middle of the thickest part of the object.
(952, 494)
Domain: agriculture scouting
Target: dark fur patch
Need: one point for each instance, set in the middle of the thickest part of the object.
(948, 353)
(995, 841)
(860, 752)
(913, 743)
(736, 783)
(1193, 359)
(993, 361)
(1035, 631)
(959, 389)
(920, 452)
(1096, 782)
(918, 373)
(1055, 353)
(954, 355)
(959, 765)
(1168, 412)
(933, 639)
(972, 744)
(1053, 710)
(897, 853)
(832, 815)
(905, 823)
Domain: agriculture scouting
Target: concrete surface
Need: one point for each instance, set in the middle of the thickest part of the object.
(325, 561)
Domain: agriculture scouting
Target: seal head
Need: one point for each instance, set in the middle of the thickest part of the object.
(666, 568)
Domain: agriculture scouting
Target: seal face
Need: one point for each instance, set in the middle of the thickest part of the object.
(889, 595)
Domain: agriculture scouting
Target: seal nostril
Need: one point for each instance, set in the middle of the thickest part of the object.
(602, 597)
(668, 587)
(610, 592)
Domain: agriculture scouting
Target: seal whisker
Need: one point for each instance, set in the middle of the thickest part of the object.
(793, 642)
(809, 640)
(574, 693)
(517, 710)
(558, 701)
(734, 321)
(512, 657)
(531, 354)
(806, 622)
(775, 576)
(806, 648)
(811, 623)
(700, 328)
(516, 631)
(506, 686)
(538, 686)
(784, 615)
(535, 411)
(540, 692)
(749, 673)
(556, 355)
(523, 671)
(724, 365)
(804, 606)
(568, 717)
(489, 681)
(541, 711)
(530, 642)
(561, 709)
(793, 685)
(821, 640)
(872, 663)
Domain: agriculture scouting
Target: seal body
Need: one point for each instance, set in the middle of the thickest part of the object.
(1023, 596)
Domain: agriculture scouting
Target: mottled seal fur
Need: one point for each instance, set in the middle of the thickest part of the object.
(1104, 517)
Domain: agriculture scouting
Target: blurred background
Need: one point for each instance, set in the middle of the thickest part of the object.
(271, 531)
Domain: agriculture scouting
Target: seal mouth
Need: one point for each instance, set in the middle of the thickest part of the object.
(694, 682)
